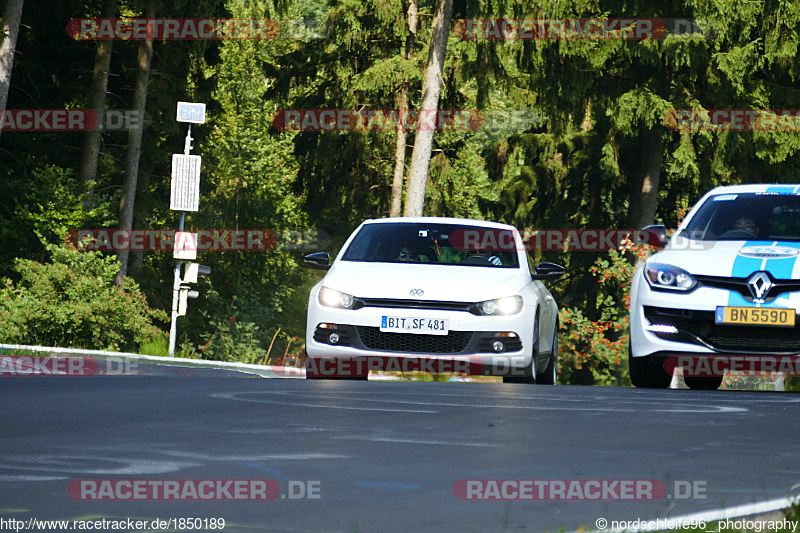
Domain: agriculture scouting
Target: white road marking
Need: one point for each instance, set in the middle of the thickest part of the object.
(597, 405)
(81, 464)
(263, 457)
(418, 441)
(235, 396)
(5, 478)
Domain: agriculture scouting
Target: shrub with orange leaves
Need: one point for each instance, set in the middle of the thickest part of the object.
(595, 351)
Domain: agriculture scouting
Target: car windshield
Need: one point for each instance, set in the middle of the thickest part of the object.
(442, 244)
(746, 216)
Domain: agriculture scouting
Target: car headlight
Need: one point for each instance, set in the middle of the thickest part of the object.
(333, 298)
(661, 276)
(510, 305)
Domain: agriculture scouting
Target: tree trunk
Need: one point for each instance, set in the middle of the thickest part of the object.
(134, 150)
(141, 210)
(402, 106)
(645, 184)
(423, 142)
(87, 173)
(11, 16)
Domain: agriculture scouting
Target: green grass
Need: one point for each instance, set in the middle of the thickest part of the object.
(158, 346)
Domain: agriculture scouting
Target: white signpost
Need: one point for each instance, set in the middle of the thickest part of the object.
(191, 112)
(185, 190)
(184, 197)
(185, 247)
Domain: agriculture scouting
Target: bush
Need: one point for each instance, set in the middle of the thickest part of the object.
(158, 346)
(234, 340)
(73, 302)
(595, 352)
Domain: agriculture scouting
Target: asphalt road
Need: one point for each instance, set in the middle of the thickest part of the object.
(385, 456)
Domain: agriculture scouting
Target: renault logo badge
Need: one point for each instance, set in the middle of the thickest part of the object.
(759, 284)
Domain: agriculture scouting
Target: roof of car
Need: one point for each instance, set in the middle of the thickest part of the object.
(782, 188)
(440, 220)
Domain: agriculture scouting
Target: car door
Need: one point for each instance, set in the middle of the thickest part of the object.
(547, 309)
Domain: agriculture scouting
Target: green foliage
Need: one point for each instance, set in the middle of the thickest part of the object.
(53, 204)
(158, 346)
(73, 302)
(247, 184)
(593, 352)
(572, 163)
(234, 341)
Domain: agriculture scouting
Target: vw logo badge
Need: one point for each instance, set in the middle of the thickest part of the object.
(416, 292)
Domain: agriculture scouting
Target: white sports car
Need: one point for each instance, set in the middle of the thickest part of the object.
(435, 288)
(726, 286)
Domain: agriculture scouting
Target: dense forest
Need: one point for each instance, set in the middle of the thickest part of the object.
(568, 128)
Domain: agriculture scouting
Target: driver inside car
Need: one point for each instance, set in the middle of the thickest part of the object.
(406, 255)
(747, 225)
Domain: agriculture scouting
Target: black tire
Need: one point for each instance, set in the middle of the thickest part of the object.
(645, 374)
(550, 374)
(703, 383)
(530, 371)
(529, 375)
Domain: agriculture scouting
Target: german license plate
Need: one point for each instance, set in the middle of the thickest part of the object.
(427, 326)
(756, 316)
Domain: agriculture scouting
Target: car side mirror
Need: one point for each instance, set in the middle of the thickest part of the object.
(656, 235)
(545, 270)
(318, 261)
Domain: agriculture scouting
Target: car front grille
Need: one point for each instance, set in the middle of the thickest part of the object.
(375, 339)
(698, 327)
(394, 303)
(779, 286)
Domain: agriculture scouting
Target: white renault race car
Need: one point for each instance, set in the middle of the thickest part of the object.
(434, 289)
(726, 286)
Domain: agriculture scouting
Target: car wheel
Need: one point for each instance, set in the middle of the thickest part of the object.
(703, 383)
(550, 374)
(529, 373)
(646, 375)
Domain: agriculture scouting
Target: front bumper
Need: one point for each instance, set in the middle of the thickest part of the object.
(470, 337)
(685, 324)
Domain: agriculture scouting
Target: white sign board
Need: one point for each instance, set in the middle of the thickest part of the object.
(185, 191)
(185, 246)
(189, 112)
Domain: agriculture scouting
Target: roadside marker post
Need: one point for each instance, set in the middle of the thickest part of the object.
(185, 197)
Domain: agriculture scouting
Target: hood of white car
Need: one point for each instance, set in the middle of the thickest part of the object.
(738, 259)
(452, 283)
